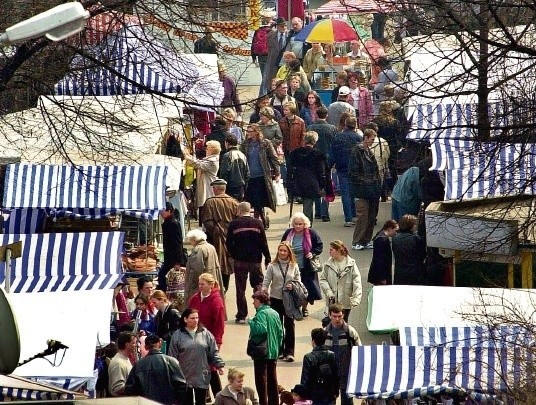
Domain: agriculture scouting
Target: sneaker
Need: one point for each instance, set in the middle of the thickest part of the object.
(354, 220)
(357, 246)
(240, 321)
(289, 358)
(369, 245)
(326, 219)
(348, 224)
(318, 217)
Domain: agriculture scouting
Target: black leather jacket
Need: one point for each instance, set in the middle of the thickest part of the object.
(158, 377)
(320, 374)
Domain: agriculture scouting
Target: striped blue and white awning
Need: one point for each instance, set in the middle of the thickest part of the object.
(409, 371)
(71, 188)
(476, 170)
(17, 388)
(65, 261)
(133, 62)
(432, 121)
(467, 336)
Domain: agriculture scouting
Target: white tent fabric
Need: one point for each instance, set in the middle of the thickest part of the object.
(79, 319)
(409, 371)
(443, 306)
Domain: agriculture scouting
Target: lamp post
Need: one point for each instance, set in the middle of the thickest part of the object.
(55, 24)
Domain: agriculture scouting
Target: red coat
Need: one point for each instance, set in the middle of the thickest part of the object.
(211, 313)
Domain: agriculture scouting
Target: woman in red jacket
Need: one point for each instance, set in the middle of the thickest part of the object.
(209, 303)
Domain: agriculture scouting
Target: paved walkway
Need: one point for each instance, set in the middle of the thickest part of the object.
(233, 349)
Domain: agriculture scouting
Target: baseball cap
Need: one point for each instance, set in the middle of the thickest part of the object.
(344, 91)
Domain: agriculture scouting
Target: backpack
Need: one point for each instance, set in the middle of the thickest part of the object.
(260, 41)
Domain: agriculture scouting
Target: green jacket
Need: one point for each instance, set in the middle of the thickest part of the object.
(266, 323)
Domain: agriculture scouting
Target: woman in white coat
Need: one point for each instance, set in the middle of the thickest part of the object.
(340, 278)
(207, 171)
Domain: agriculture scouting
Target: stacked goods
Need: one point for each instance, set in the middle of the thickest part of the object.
(141, 259)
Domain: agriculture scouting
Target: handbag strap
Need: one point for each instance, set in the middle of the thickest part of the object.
(283, 274)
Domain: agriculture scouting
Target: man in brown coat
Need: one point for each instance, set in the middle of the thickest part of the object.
(216, 215)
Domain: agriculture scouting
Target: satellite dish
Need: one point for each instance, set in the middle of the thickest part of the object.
(10, 347)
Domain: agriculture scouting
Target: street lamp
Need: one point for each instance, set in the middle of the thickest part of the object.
(55, 24)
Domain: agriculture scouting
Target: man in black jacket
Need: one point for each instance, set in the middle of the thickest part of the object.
(157, 376)
(247, 244)
(320, 372)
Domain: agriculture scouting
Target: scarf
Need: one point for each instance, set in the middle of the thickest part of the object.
(307, 244)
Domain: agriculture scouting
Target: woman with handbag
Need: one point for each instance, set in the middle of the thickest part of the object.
(266, 332)
(340, 279)
(279, 273)
(307, 246)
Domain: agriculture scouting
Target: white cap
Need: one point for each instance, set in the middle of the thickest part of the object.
(344, 91)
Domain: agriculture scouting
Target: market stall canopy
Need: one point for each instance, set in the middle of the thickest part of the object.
(69, 278)
(131, 61)
(382, 372)
(355, 7)
(485, 169)
(129, 188)
(327, 31)
(444, 306)
(14, 388)
(467, 336)
(92, 131)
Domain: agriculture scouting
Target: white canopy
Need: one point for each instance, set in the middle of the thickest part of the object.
(92, 131)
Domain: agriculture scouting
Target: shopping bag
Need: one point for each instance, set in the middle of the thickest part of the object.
(279, 192)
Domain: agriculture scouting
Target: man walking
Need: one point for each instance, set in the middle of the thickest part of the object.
(217, 214)
(365, 189)
(234, 169)
(246, 244)
(277, 42)
(157, 376)
(339, 158)
(120, 365)
(259, 45)
(320, 374)
(340, 338)
(326, 132)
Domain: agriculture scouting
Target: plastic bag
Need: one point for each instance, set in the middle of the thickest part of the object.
(279, 192)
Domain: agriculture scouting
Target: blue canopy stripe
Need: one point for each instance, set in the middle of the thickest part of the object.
(65, 261)
(10, 394)
(129, 188)
(25, 220)
(467, 336)
(487, 169)
(382, 372)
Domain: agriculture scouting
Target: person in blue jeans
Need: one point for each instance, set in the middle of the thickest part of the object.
(339, 156)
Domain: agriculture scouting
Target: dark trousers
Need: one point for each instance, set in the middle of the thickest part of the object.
(215, 382)
(288, 327)
(200, 396)
(241, 271)
(266, 381)
(225, 278)
(236, 192)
